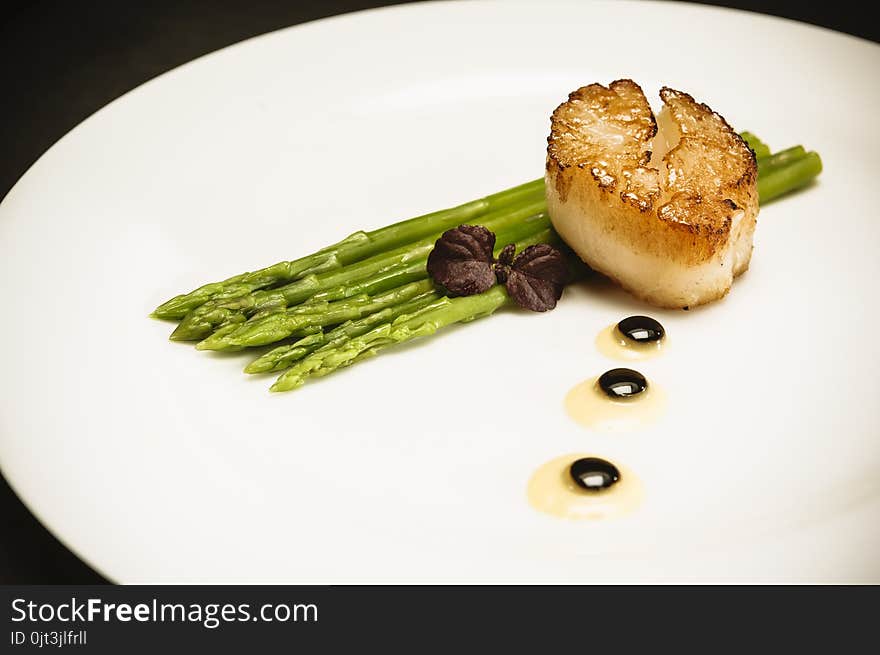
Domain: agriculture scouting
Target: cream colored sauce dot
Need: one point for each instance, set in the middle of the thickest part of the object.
(589, 406)
(552, 491)
(611, 343)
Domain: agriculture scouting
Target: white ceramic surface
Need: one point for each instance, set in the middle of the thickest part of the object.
(158, 463)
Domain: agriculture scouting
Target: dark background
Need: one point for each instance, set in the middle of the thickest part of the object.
(62, 61)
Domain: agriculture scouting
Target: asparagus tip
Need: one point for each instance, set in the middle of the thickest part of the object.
(170, 310)
(286, 385)
(212, 343)
(180, 335)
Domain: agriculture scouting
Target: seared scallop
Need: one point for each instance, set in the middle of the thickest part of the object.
(665, 206)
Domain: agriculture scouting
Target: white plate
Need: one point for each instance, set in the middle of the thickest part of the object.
(158, 463)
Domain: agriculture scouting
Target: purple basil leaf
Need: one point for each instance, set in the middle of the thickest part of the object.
(462, 260)
(537, 277)
(505, 257)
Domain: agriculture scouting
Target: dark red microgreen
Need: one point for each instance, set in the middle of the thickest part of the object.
(537, 277)
(462, 260)
(505, 257)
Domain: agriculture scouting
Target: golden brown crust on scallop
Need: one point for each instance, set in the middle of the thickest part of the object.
(715, 171)
(678, 204)
(603, 130)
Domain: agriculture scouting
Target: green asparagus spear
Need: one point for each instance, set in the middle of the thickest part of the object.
(423, 322)
(202, 321)
(353, 248)
(443, 312)
(514, 228)
(286, 355)
(278, 326)
(780, 159)
(788, 177)
(783, 171)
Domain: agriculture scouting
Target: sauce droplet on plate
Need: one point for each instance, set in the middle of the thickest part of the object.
(622, 383)
(593, 473)
(615, 402)
(641, 329)
(633, 338)
(553, 488)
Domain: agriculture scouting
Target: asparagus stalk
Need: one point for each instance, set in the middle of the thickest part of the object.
(286, 355)
(275, 327)
(780, 159)
(369, 273)
(423, 322)
(279, 325)
(353, 248)
(783, 171)
(788, 177)
(441, 313)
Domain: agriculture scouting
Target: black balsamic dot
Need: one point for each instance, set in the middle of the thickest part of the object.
(641, 329)
(593, 474)
(622, 383)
